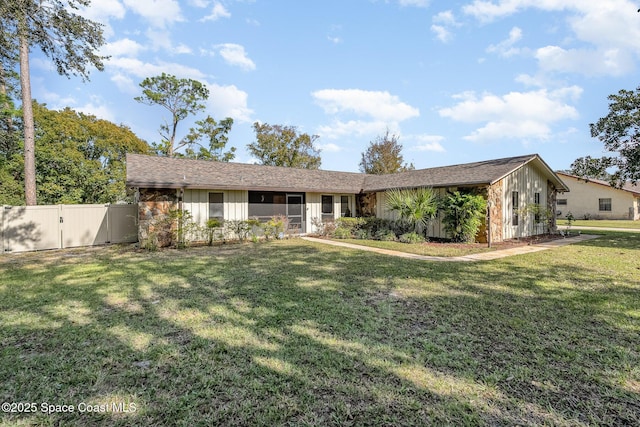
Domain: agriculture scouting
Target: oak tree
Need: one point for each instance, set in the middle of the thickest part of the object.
(619, 131)
(278, 145)
(64, 36)
(384, 155)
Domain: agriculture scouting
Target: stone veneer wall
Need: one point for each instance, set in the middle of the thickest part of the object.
(366, 204)
(495, 199)
(154, 206)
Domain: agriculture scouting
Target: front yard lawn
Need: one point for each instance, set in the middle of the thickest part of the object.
(438, 249)
(297, 333)
(601, 223)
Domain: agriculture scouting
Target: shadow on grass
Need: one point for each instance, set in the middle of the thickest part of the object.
(296, 333)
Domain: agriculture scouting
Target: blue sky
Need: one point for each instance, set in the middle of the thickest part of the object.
(457, 81)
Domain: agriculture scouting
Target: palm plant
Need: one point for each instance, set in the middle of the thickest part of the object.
(416, 206)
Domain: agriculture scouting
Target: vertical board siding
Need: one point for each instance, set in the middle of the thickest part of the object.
(236, 204)
(314, 207)
(527, 181)
(314, 210)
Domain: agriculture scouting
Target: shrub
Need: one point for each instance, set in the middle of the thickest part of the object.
(239, 228)
(385, 235)
(183, 229)
(341, 233)
(463, 215)
(275, 227)
(324, 228)
(412, 238)
(212, 229)
(400, 227)
(415, 206)
(374, 224)
(362, 234)
(351, 224)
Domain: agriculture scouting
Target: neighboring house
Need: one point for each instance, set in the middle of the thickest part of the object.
(235, 191)
(597, 199)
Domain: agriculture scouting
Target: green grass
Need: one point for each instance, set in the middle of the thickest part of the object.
(602, 223)
(297, 333)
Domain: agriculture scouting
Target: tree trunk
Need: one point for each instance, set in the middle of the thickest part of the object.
(29, 128)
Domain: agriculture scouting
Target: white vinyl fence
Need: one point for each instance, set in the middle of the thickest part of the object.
(29, 228)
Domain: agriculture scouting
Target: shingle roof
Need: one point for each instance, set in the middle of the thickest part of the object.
(635, 189)
(477, 173)
(162, 172)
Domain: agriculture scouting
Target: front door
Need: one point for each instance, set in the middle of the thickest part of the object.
(295, 212)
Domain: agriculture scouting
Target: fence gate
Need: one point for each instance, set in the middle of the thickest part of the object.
(28, 228)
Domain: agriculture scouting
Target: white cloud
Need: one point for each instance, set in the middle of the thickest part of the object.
(101, 111)
(234, 54)
(359, 128)
(442, 22)
(445, 17)
(122, 47)
(329, 147)
(380, 106)
(102, 11)
(125, 83)
(441, 33)
(138, 68)
(609, 28)
(415, 3)
(229, 101)
(506, 47)
(218, 11)
(519, 115)
(609, 62)
(427, 143)
(161, 40)
(159, 13)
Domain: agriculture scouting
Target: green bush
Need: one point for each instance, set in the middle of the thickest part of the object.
(212, 229)
(417, 206)
(463, 215)
(275, 227)
(351, 224)
(386, 235)
(412, 238)
(362, 234)
(342, 233)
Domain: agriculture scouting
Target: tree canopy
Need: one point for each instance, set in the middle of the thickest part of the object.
(67, 38)
(184, 98)
(79, 159)
(384, 155)
(619, 131)
(278, 145)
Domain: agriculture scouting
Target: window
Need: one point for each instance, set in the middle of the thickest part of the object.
(515, 203)
(327, 208)
(536, 201)
(344, 206)
(604, 205)
(561, 202)
(216, 206)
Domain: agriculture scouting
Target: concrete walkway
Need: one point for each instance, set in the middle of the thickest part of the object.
(485, 256)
